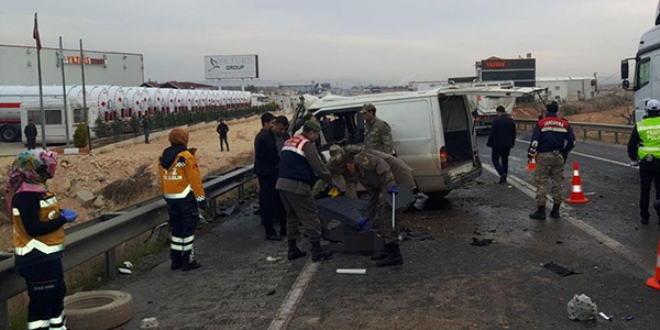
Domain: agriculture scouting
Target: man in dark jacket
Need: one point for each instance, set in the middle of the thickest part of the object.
(146, 127)
(266, 168)
(31, 135)
(280, 130)
(502, 138)
(223, 129)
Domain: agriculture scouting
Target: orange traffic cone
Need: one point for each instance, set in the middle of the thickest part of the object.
(654, 282)
(577, 195)
(532, 165)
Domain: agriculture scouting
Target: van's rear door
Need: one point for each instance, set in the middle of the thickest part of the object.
(460, 146)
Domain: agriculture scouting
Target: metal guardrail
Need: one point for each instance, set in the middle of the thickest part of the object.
(585, 128)
(103, 235)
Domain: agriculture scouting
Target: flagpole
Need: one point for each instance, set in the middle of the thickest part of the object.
(85, 110)
(41, 88)
(66, 110)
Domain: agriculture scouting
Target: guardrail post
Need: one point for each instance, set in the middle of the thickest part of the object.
(4, 315)
(110, 260)
(584, 131)
(600, 135)
(240, 192)
(213, 210)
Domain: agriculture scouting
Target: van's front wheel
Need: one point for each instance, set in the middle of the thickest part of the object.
(438, 194)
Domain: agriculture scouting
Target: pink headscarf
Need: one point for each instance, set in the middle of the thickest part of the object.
(29, 172)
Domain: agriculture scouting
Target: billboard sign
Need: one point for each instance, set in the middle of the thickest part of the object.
(231, 66)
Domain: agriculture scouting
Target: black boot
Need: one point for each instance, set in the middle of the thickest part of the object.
(393, 256)
(502, 179)
(294, 251)
(271, 234)
(189, 262)
(177, 259)
(555, 211)
(539, 214)
(318, 253)
(379, 255)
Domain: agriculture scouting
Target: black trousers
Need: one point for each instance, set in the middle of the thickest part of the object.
(649, 173)
(223, 139)
(147, 132)
(184, 217)
(31, 142)
(46, 288)
(270, 206)
(500, 157)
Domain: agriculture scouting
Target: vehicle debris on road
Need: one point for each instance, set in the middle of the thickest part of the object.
(481, 242)
(581, 308)
(149, 323)
(360, 271)
(559, 270)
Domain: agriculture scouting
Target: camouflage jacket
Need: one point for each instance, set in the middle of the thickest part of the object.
(378, 136)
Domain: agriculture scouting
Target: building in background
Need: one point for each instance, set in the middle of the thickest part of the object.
(522, 71)
(18, 66)
(569, 89)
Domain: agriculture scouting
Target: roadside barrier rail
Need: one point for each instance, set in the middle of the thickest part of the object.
(528, 125)
(102, 235)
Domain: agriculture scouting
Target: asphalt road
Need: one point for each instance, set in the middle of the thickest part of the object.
(445, 283)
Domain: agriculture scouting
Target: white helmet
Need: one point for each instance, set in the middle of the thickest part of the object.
(653, 105)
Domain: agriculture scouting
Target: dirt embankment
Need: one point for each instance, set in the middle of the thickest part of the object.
(611, 116)
(132, 171)
(612, 107)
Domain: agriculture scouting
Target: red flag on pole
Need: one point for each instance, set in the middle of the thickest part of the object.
(35, 33)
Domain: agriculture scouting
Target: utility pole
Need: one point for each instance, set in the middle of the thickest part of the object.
(85, 110)
(66, 111)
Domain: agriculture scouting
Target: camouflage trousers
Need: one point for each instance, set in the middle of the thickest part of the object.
(549, 167)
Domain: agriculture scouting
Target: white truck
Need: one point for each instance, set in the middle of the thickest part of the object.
(432, 130)
(646, 82)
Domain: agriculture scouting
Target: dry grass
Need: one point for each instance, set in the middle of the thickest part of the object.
(128, 190)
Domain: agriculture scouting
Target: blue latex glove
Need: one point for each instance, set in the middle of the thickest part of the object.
(69, 215)
(393, 190)
(363, 222)
(338, 187)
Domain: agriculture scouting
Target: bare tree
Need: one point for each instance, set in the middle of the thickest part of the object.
(628, 115)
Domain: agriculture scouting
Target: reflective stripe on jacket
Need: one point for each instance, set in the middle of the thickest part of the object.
(24, 244)
(182, 178)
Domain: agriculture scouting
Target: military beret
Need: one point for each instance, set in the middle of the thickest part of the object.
(368, 107)
(314, 126)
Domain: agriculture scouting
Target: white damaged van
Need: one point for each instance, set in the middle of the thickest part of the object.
(432, 130)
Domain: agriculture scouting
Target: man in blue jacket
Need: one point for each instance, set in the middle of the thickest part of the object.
(552, 140)
(502, 138)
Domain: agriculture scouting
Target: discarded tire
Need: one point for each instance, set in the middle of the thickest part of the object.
(98, 310)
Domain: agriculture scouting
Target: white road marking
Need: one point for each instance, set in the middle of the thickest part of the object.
(617, 247)
(292, 300)
(591, 156)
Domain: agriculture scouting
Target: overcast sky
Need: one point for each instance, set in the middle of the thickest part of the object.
(342, 41)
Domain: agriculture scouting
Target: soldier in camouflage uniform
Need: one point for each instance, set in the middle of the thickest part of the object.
(552, 140)
(338, 170)
(377, 133)
(381, 174)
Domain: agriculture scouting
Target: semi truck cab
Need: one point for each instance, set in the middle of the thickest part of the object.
(645, 84)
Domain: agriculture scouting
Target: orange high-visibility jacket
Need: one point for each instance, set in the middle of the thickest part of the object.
(50, 243)
(181, 178)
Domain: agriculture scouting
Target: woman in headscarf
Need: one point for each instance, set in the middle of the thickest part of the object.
(38, 236)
